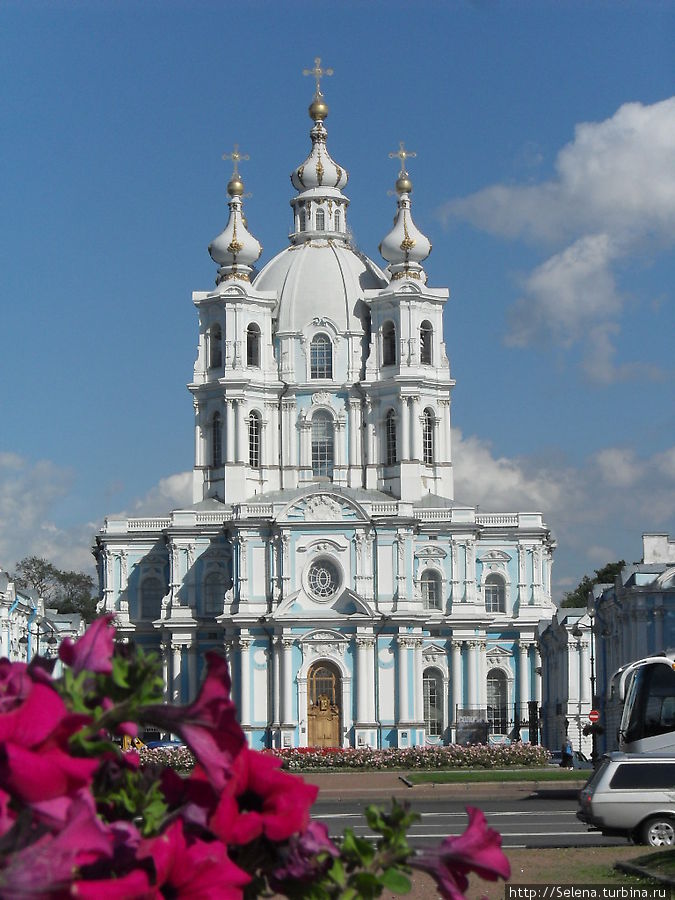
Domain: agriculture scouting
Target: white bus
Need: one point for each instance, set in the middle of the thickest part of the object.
(647, 689)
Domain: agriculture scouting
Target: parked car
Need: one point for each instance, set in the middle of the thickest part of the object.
(579, 761)
(154, 745)
(632, 794)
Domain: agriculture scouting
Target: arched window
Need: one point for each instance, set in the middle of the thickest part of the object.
(151, 598)
(216, 441)
(302, 221)
(432, 684)
(497, 702)
(495, 594)
(426, 339)
(254, 434)
(320, 220)
(214, 593)
(431, 589)
(322, 444)
(253, 345)
(390, 437)
(336, 220)
(388, 344)
(321, 357)
(215, 347)
(428, 437)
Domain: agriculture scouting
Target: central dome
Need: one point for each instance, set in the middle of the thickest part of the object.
(320, 278)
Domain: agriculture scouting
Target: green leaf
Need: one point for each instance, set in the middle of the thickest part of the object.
(396, 881)
(336, 873)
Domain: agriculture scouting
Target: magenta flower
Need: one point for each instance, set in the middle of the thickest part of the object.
(209, 725)
(52, 859)
(200, 869)
(93, 651)
(260, 799)
(477, 850)
(300, 857)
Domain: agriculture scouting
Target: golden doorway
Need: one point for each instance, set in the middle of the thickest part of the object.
(323, 706)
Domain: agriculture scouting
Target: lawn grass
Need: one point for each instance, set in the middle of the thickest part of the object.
(455, 776)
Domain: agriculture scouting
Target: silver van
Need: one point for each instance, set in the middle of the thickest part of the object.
(632, 794)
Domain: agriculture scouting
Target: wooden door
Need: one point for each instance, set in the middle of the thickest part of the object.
(323, 706)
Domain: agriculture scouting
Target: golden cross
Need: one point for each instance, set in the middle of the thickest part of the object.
(402, 154)
(236, 156)
(317, 72)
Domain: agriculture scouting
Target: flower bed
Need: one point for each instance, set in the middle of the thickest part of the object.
(455, 756)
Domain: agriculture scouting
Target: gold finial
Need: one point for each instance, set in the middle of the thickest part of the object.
(403, 182)
(317, 73)
(235, 186)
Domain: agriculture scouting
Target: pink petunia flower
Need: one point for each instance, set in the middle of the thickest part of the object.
(261, 799)
(477, 850)
(94, 650)
(209, 725)
(200, 870)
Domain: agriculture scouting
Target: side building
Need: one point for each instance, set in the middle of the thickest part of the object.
(359, 603)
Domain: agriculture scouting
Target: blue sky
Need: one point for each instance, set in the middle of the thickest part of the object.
(545, 178)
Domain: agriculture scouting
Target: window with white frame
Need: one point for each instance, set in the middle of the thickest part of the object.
(497, 702)
(431, 585)
(215, 347)
(426, 343)
(336, 220)
(390, 437)
(253, 345)
(432, 685)
(322, 444)
(321, 357)
(152, 592)
(254, 436)
(320, 220)
(428, 423)
(214, 593)
(388, 344)
(216, 441)
(495, 594)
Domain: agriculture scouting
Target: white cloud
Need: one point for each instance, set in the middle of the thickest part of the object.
(618, 467)
(172, 492)
(612, 198)
(616, 176)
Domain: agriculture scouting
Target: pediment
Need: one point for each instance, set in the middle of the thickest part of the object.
(430, 552)
(493, 556)
(300, 605)
(498, 652)
(323, 506)
(434, 651)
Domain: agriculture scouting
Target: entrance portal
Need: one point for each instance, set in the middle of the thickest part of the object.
(323, 705)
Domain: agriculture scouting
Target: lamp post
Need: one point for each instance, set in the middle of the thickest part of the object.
(51, 640)
(577, 631)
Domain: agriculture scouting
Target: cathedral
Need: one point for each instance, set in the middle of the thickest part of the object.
(359, 604)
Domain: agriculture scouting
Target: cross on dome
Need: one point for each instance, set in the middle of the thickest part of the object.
(317, 73)
(236, 156)
(402, 154)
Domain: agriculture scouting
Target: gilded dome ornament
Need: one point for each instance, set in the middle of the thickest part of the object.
(318, 108)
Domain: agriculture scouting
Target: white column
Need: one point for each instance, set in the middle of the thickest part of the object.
(339, 443)
(353, 430)
(275, 676)
(362, 680)
(229, 431)
(418, 682)
(245, 669)
(403, 714)
(416, 429)
(165, 670)
(482, 674)
(573, 672)
(457, 686)
(370, 668)
(584, 651)
(242, 456)
(404, 452)
(192, 669)
(537, 675)
(305, 445)
(471, 679)
(524, 676)
(176, 673)
(287, 677)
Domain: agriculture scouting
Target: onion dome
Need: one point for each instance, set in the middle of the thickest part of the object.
(235, 249)
(405, 247)
(320, 207)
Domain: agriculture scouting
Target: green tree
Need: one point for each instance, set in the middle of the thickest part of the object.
(606, 575)
(69, 592)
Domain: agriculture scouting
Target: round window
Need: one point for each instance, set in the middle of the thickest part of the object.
(323, 578)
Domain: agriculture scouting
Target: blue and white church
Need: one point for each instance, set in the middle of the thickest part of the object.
(358, 602)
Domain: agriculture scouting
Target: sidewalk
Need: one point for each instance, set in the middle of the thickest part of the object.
(376, 786)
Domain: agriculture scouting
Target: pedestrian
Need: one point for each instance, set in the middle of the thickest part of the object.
(566, 761)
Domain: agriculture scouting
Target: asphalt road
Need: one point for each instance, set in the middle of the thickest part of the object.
(548, 820)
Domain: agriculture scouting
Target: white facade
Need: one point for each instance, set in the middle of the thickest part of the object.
(359, 603)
